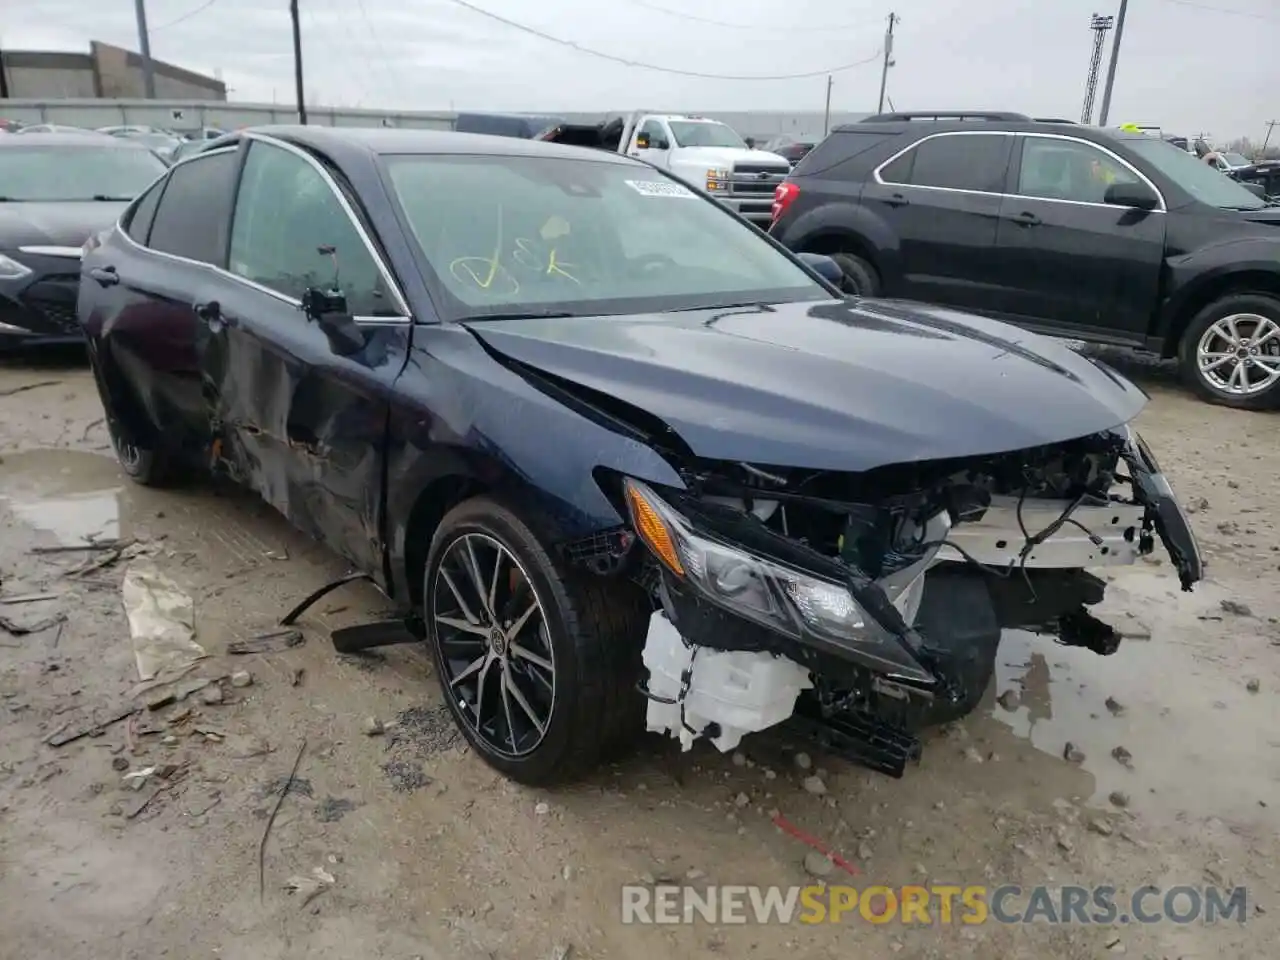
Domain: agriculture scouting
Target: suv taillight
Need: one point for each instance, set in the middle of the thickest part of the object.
(783, 197)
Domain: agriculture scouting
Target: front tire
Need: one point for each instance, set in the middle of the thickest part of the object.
(537, 662)
(1230, 352)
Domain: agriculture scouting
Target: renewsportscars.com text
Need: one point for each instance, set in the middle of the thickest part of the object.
(925, 906)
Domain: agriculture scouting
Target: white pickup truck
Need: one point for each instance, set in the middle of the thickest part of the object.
(704, 152)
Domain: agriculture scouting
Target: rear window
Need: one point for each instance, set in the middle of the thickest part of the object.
(954, 162)
(839, 147)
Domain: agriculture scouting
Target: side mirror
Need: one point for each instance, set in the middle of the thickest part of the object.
(1132, 194)
(824, 267)
(642, 141)
(328, 310)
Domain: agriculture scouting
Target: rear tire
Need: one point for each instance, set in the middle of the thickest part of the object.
(860, 277)
(1209, 353)
(147, 467)
(544, 699)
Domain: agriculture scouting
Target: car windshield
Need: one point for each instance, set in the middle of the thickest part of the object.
(1236, 159)
(1196, 177)
(703, 134)
(63, 173)
(520, 234)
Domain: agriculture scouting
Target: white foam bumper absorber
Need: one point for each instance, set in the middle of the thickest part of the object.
(738, 691)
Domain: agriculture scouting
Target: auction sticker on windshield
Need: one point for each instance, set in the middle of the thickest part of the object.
(659, 188)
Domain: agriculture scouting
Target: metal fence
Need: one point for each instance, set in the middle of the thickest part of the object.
(192, 115)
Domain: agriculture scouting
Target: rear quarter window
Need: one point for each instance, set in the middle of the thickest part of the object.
(843, 149)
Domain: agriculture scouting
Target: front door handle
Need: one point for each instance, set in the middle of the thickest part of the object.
(105, 276)
(211, 314)
(898, 200)
(1027, 219)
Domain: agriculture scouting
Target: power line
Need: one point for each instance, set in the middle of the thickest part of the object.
(186, 16)
(385, 61)
(770, 27)
(532, 31)
(1231, 13)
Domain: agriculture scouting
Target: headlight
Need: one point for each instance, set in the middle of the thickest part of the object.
(718, 178)
(756, 588)
(11, 269)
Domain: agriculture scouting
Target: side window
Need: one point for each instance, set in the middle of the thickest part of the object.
(960, 162)
(290, 232)
(144, 212)
(191, 219)
(656, 131)
(1055, 169)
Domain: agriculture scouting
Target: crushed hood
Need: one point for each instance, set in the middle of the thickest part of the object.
(65, 224)
(833, 385)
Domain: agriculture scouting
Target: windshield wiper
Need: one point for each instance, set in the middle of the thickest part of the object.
(758, 304)
(107, 198)
(521, 315)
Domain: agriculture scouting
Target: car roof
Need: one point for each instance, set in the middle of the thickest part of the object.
(386, 141)
(1061, 128)
(91, 139)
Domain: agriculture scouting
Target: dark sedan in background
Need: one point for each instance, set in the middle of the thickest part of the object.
(55, 191)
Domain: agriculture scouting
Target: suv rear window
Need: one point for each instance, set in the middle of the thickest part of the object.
(967, 161)
(839, 146)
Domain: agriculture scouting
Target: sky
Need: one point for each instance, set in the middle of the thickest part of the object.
(1190, 66)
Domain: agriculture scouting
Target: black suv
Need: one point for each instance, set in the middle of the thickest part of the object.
(1075, 231)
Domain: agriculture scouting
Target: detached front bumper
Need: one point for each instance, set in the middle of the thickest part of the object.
(775, 595)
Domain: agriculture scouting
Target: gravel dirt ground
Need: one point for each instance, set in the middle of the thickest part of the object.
(431, 855)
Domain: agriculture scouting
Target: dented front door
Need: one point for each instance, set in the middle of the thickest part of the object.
(295, 420)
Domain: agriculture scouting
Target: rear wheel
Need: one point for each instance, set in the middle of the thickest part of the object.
(1230, 352)
(538, 663)
(860, 277)
(148, 467)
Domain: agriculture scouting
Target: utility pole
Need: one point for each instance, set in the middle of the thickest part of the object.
(297, 63)
(888, 59)
(826, 113)
(1099, 25)
(4, 78)
(1271, 125)
(1111, 67)
(144, 48)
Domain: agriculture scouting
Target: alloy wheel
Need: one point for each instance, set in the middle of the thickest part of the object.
(1240, 354)
(127, 453)
(498, 661)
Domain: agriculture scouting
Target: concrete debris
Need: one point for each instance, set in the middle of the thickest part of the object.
(310, 886)
(818, 864)
(814, 785)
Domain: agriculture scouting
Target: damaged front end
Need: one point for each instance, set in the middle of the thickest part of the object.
(861, 607)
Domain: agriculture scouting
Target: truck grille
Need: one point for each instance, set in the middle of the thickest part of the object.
(757, 179)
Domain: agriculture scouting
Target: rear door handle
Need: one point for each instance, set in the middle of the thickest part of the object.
(898, 200)
(106, 276)
(1026, 219)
